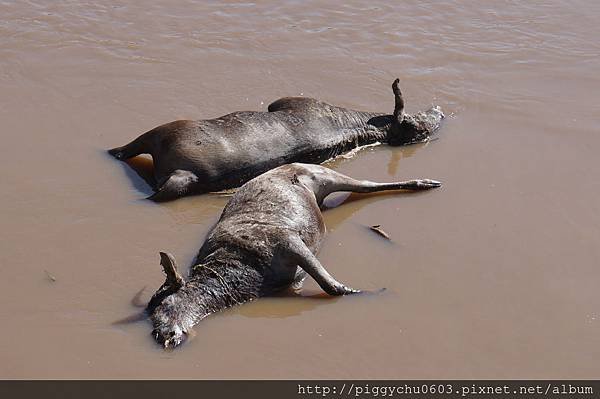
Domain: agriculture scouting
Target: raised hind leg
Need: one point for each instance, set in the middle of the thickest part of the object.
(324, 181)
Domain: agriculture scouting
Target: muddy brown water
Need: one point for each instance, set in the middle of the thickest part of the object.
(495, 275)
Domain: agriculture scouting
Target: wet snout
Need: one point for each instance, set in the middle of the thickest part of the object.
(426, 123)
(169, 337)
(437, 111)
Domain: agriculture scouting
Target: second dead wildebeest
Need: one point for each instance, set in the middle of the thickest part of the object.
(193, 157)
(266, 240)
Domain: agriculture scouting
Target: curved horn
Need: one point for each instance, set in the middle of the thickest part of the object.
(399, 102)
(169, 265)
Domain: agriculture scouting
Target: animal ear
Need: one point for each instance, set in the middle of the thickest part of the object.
(398, 102)
(169, 265)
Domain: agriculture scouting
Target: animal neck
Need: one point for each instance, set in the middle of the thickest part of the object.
(224, 284)
(216, 282)
(357, 128)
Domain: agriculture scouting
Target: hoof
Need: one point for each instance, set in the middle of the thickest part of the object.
(343, 290)
(420, 184)
(429, 183)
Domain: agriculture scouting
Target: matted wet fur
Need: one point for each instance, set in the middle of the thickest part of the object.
(265, 240)
(192, 157)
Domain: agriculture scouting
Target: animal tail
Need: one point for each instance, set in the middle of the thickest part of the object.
(136, 147)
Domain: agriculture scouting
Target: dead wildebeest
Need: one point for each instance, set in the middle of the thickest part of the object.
(265, 241)
(193, 157)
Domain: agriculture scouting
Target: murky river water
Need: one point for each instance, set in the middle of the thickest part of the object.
(495, 275)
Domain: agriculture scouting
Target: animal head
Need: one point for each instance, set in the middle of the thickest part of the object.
(416, 128)
(409, 129)
(169, 307)
(171, 325)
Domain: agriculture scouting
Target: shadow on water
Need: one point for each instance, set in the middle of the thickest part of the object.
(137, 302)
(140, 171)
(353, 202)
(284, 305)
(403, 152)
(289, 303)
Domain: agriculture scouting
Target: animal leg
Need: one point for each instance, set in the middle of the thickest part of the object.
(175, 186)
(300, 254)
(366, 186)
(326, 181)
(398, 102)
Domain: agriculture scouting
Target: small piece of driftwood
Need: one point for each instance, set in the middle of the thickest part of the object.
(377, 229)
(50, 276)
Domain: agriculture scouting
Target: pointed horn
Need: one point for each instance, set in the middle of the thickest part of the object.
(399, 102)
(169, 265)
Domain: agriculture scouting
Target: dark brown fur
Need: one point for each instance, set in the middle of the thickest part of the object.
(211, 155)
